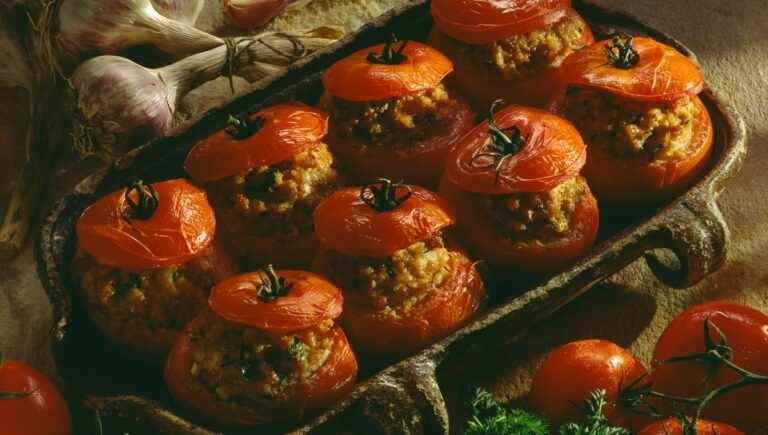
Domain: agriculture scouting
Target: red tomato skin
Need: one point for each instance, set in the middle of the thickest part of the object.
(508, 257)
(332, 381)
(747, 333)
(482, 86)
(571, 372)
(672, 426)
(43, 412)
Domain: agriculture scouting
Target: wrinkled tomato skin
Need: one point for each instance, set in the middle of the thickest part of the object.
(672, 426)
(354, 78)
(335, 379)
(345, 223)
(746, 330)
(623, 182)
(508, 257)
(571, 372)
(43, 412)
(416, 162)
(310, 300)
(482, 85)
(384, 338)
(288, 129)
(181, 227)
(484, 21)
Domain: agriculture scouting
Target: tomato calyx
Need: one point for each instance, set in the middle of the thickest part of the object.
(385, 195)
(241, 128)
(620, 52)
(273, 287)
(717, 354)
(389, 56)
(145, 203)
(501, 147)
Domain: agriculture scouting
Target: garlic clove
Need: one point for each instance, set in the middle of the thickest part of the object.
(185, 11)
(248, 14)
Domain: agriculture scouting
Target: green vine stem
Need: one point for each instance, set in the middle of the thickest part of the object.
(502, 145)
(620, 52)
(383, 195)
(388, 55)
(273, 287)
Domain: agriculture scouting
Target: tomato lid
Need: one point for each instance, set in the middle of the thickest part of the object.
(269, 136)
(386, 71)
(277, 302)
(379, 219)
(522, 150)
(485, 21)
(638, 68)
(148, 226)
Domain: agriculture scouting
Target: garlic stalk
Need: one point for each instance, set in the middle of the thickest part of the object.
(121, 104)
(83, 28)
(185, 11)
(248, 14)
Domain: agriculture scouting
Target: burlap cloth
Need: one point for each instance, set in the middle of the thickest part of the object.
(632, 308)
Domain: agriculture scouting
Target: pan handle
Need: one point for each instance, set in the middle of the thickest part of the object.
(698, 235)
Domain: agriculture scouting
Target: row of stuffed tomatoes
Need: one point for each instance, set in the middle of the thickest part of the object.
(393, 262)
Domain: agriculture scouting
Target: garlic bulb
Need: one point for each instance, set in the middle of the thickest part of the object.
(185, 11)
(122, 104)
(248, 14)
(91, 27)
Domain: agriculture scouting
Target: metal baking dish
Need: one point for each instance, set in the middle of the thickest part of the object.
(405, 397)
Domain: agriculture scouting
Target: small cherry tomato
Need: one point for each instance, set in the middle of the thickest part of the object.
(673, 426)
(571, 372)
(29, 403)
(148, 226)
(271, 135)
(746, 332)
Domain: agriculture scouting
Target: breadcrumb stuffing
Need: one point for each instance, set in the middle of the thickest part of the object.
(630, 129)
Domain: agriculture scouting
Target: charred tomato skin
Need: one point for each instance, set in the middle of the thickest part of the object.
(746, 330)
(571, 372)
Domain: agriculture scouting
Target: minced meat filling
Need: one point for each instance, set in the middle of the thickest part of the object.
(535, 216)
(630, 129)
(158, 300)
(279, 199)
(394, 286)
(390, 122)
(524, 55)
(255, 369)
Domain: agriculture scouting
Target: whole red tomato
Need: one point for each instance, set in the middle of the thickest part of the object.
(746, 333)
(673, 426)
(569, 374)
(29, 403)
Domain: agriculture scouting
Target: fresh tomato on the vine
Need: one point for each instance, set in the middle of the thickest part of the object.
(673, 426)
(29, 403)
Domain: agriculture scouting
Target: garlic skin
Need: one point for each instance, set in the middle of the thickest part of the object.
(248, 14)
(92, 27)
(186, 11)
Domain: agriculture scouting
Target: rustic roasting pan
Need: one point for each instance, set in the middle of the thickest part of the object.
(404, 398)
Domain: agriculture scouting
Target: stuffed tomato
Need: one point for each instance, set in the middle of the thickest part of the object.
(520, 202)
(391, 114)
(384, 245)
(265, 175)
(509, 49)
(146, 261)
(635, 102)
(268, 351)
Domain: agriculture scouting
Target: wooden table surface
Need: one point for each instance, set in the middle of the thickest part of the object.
(632, 308)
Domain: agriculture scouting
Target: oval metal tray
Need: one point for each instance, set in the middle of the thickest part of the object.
(405, 397)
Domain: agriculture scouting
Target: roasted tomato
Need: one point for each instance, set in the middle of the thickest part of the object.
(265, 175)
(571, 372)
(268, 351)
(514, 185)
(146, 262)
(508, 49)
(635, 102)
(404, 288)
(29, 403)
(744, 339)
(673, 426)
(391, 114)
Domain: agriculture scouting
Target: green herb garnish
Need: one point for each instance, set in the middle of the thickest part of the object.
(298, 349)
(596, 423)
(491, 418)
